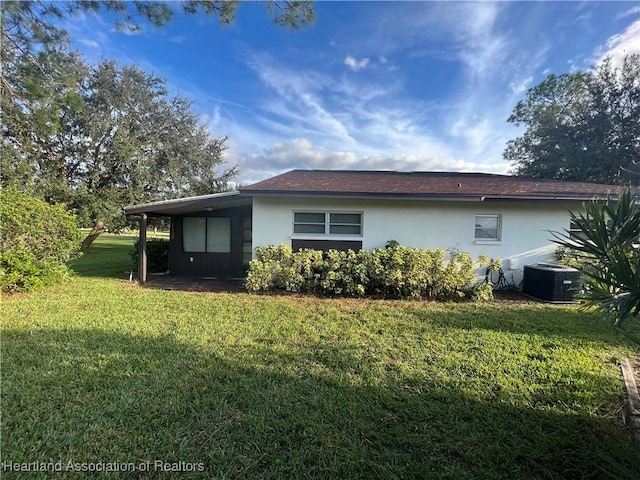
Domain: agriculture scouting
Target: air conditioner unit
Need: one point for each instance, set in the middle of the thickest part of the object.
(552, 283)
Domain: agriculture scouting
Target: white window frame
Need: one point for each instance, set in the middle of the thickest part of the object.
(483, 240)
(327, 225)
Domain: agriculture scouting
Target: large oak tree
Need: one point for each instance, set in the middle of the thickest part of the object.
(582, 126)
(118, 138)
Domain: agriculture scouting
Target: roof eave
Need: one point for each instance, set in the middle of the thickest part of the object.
(165, 207)
(363, 196)
(426, 196)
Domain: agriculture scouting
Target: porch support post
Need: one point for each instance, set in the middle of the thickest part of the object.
(142, 250)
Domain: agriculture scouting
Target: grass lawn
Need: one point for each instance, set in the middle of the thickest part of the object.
(257, 387)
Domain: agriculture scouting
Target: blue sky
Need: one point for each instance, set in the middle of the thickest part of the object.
(372, 85)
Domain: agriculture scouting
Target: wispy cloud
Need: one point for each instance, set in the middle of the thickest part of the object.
(315, 120)
(401, 85)
(301, 153)
(631, 11)
(355, 64)
(621, 44)
(521, 87)
(87, 42)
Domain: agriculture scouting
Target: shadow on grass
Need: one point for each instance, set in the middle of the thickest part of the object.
(264, 413)
(532, 319)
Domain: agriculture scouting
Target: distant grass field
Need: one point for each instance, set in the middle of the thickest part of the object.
(242, 386)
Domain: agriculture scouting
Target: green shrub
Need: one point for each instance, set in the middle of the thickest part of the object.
(36, 241)
(482, 292)
(157, 255)
(278, 268)
(394, 270)
(344, 273)
(573, 258)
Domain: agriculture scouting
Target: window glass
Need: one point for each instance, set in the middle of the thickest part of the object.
(193, 234)
(246, 229)
(246, 253)
(487, 227)
(308, 228)
(245, 246)
(309, 222)
(308, 217)
(218, 235)
(345, 229)
(350, 218)
(321, 223)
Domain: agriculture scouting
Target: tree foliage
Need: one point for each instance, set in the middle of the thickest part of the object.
(117, 138)
(36, 240)
(32, 31)
(609, 234)
(98, 138)
(582, 126)
(36, 23)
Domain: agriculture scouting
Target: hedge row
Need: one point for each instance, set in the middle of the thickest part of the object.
(395, 270)
(157, 255)
(36, 241)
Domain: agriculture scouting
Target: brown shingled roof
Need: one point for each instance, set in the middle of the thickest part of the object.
(424, 185)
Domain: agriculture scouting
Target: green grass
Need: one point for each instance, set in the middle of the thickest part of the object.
(101, 370)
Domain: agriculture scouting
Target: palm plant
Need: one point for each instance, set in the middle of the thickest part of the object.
(608, 238)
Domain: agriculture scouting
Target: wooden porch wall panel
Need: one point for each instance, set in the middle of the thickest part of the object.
(209, 264)
(326, 245)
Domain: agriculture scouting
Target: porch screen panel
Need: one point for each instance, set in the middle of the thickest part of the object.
(194, 234)
(219, 235)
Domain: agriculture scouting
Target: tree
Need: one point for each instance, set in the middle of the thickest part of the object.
(582, 126)
(125, 140)
(34, 25)
(99, 138)
(609, 234)
(31, 30)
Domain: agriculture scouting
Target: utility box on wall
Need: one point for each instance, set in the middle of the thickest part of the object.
(552, 283)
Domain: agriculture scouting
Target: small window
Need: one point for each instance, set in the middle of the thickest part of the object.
(488, 227)
(576, 232)
(327, 223)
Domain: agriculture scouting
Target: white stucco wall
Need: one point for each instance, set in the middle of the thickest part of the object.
(425, 224)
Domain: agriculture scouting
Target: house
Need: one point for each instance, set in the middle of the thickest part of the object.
(502, 216)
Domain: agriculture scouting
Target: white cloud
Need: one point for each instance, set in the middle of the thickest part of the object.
(89, 43)
(621, 44)
(631, 11)
(315, 120)
(521, 87)
(481, 47)
(355, 64)
(300, 153)
(418, 29)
